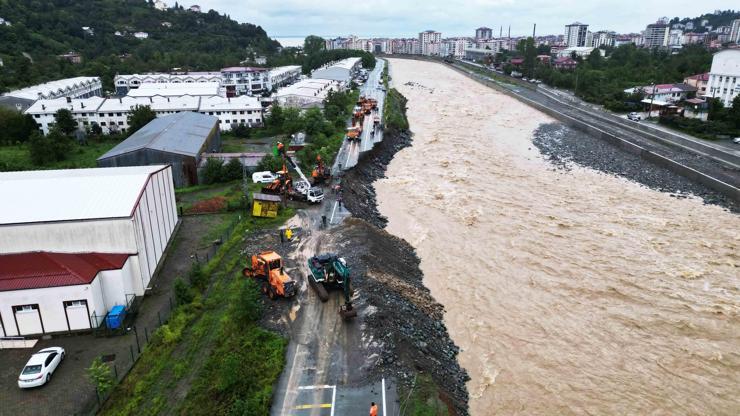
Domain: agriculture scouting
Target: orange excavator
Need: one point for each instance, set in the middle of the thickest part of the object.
(267, 268)
(321, 172)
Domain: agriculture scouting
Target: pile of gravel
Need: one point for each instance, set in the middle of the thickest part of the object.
(564, 146)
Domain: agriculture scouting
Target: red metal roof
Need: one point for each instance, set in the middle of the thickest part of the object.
(42, 269)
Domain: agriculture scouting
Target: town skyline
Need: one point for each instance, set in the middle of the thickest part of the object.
(452, 18)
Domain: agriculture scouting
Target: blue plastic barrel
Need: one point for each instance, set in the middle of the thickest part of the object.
(114, 320)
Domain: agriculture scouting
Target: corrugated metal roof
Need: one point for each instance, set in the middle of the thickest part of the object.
(71, 194)
(41, 269)
(181, 133)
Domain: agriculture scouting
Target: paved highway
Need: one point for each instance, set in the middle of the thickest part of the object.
(350, 152)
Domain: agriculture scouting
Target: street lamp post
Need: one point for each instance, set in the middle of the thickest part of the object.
(652, 97)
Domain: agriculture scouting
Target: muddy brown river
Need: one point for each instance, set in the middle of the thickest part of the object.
(568, 292)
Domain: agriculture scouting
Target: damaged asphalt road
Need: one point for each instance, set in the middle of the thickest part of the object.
(399, 330)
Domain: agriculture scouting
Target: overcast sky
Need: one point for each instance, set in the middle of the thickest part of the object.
(406, 18)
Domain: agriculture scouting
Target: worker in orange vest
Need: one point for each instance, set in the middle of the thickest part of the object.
(373, 409)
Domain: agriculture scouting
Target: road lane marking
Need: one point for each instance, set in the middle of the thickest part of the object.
(314, 406)
(331, 220)
(318, 387)
(333, 398)
(383, 386)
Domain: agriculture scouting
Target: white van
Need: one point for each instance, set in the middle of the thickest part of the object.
(263, 177)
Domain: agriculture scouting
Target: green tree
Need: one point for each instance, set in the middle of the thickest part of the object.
(38, 148)
(101, 376)
(716, 110)
(139, 117)
(232, 170)
(15, 126)
(64, 121)
(270, 163)
(313, 44)
(293, 122)
(733, 113)
(276, 118)
(213, 171)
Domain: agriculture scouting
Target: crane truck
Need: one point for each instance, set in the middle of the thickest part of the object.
(327, 272)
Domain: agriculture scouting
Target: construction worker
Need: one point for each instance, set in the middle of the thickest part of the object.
(281, 148)
(373, 409)
(289, 234)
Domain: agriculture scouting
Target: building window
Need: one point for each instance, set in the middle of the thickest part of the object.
(26, 308)
(102, 123)
(241, 112)
(37, 115)
(120, 123)
(119, 114)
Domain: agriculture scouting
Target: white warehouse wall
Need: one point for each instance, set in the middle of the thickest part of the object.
(51, 305)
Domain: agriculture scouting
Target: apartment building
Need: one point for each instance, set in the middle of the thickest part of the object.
(656, 35)
(724, 77)
(576, 34)
(78, 87)
(483, 33)
(245, 80)
(429, 41)
(284, 75)
(124, 83)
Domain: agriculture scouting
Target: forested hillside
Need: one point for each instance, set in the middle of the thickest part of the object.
(41, 30)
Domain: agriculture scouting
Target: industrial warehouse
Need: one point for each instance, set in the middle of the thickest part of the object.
(74, 244)
(178, 139)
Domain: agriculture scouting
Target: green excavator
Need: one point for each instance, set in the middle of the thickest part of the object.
(329, 271)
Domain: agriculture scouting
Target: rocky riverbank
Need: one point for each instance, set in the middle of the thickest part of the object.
(405, 318)
(564, 146)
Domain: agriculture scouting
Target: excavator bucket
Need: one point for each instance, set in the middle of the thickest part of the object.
(347, 311)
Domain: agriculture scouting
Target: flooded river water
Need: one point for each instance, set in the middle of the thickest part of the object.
(568, 292)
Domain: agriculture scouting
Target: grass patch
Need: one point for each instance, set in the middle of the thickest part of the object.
(424, 399)
(17, 157)
(211, 347)
(395, 111)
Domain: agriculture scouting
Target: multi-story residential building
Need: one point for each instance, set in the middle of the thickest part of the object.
(698, 81)
(124, 83)
(656, 35)
(245, 80)
(576, 34)
(455, 47)
(675, 37)
(483, 33)
(112, 114)
(735, 31)
(602, 38)
(495, 45)
(692, 38)
(78, 87)
(284, 75)
(478, 54)
(84, 111)
(429, 41)
(724, 77)
(232, 112)
(176, 89)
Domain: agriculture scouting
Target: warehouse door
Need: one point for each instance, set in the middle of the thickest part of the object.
(28, 319)
(78, 316)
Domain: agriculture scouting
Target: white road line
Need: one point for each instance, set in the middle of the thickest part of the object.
(290, 379)
(331, 220)
(333, 398)
(318, 387)
(383, 385)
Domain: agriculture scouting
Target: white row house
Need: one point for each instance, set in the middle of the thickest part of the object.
(245, 80)
(78, 87)
(112, 114)
(124, 83)
(284, 75)
(341, 71)
(307, 93)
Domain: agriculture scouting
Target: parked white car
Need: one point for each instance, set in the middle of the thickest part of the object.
(40, 367)
(633, 116)
(263, 177)
(736, 140)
